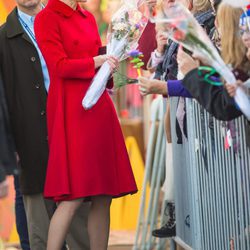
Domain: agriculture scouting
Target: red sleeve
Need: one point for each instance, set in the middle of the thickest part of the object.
(49, 41)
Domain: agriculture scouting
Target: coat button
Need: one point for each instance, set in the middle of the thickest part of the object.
(42, 112)
(37, 85)
(33, 59)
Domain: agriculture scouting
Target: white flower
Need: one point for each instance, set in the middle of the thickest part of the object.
(120, 26)
(136, 17)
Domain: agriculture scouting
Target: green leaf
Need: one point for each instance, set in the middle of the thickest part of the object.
(126, 16)
(136, 60)
(140, 64)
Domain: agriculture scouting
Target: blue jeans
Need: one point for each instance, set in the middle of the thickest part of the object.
(21, 221)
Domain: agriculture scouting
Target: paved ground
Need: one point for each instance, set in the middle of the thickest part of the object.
(118, 240)
(121, 237)
(120, 247)
(114, 247)
(129, 247)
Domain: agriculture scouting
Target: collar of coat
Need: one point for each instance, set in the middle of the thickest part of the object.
(64, 9)
(13, 26)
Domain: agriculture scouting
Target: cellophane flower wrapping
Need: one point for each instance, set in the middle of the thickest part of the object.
(182, 27)
(125, 29)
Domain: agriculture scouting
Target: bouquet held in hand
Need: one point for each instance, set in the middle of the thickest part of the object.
(182, 28)
(124, 31)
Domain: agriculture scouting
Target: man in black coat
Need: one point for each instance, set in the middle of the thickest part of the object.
(23, 77)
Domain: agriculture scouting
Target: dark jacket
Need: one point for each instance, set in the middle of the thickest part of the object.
(169, 66)
(7, 150)
(168, 69)
(214, 99)
(2, 174)
(26, 99)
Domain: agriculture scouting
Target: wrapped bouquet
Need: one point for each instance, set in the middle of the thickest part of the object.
(182, 27)
(124, 31)
(120, 79)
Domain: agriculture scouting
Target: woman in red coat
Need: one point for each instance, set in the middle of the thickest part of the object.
(88, 157)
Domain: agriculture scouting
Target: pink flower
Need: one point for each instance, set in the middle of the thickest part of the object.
(179, 35)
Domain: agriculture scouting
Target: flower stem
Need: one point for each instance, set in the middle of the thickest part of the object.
(139, 72)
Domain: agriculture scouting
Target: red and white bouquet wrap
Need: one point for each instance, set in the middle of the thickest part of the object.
(124, 31)
(182, 27)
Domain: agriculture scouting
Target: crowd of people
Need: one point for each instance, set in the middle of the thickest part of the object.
(69, 163)
(177, 73)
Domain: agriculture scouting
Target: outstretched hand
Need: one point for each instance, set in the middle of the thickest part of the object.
(162, 40)
(231, 88)
(152, 86)
(185, 62)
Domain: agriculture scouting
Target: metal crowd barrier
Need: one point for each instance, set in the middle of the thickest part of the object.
(212, 183)
(154, 171)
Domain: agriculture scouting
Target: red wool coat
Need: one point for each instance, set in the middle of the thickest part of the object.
(87, 154)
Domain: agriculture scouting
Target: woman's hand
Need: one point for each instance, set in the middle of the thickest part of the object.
(231, 88)
(201, 59)
(112, 61)
(161, 42)
(100, 60)
(152, 86)
(185, 62)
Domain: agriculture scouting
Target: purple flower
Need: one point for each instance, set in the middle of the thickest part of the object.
(134, 53)
(137, 26)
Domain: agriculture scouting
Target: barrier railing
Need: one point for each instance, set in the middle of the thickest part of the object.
(212, 182)
(154, 171)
